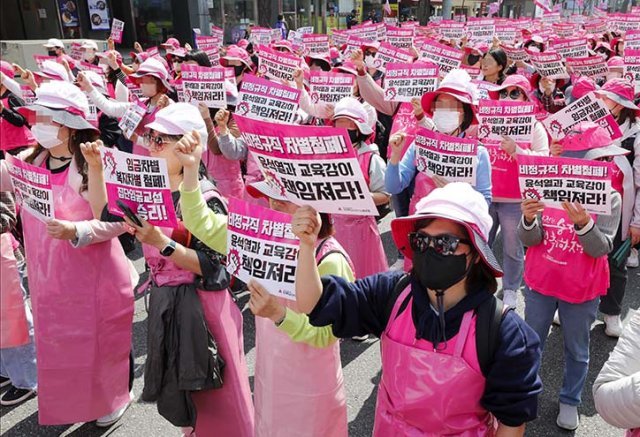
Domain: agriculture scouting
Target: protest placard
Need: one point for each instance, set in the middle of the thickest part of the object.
(330, 87)
(632, 67)
(204, 85)
(77, 51)
(504, 172)
(305, 30)
(587, 108)
(549, 64)
(315, 44)
(132, 118)
(483, 88)
(515, 54)
(624, 22)
(506, 118)
(338, 37)
(276, 35)
(390, 54)
(564, 29)
(262, 99)
(117, 29)
(310, 165)
(596, 26)
(277, 65)
(214, 55)
(260, 36)
(592, 66)
(204, 42)
(32, 188)
(404, 82)
(400, 37)
(451, 29)
(367, 31)
(474, 72)
(481, 29)
(142, 183)
(554, 180)
(39, 60)
(217, 33)
(445, 57)
(453, 158)
(570, 47)
(28, 96)
(632, 40)
(506, 32)
(261, 246)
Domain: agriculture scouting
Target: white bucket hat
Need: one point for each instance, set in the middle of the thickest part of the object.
(54, 71)
(179, 119)
(54, 43)
(351, 108)
(460, 203)
(153, 67)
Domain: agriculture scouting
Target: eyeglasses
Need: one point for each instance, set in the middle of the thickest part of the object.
(155, 141)
(602, 51)
(513, 94)
(445, 244)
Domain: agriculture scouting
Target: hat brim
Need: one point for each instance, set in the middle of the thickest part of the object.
(262, 189)
(364, 128)
(60, 116)
(428, 98)
(224, 61)
(401, 227)
(495, 93)
(619, 100)
(135, 78)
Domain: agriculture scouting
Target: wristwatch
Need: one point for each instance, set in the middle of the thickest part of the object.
(168, 249)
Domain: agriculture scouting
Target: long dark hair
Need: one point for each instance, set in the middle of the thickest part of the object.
(198, 56)
(480, 276)
(501, 58)
(76, 137)
(627, 114)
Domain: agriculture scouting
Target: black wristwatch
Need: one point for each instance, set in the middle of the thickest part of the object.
(169, 248)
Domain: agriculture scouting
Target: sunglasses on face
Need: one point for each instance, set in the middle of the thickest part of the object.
(155, 142)
(513, 94)
(602, 51)
(445, 244)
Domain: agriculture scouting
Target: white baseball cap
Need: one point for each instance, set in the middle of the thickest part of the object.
(88, 44)
(54, 42)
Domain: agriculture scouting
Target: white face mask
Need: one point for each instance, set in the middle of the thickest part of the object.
(88, 56)
(369, 61)
(46, 135)
(176, 67)
(446, 120)
(148, 89)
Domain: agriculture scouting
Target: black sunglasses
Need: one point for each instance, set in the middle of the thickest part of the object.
(513, 95)
(445, 244)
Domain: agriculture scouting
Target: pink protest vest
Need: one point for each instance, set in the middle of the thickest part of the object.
(253, 175)
(299, 389)
(82, 300)
(617, 179)
(359, 235)
(149, 117)
(404, 120)
(424, 392)
(12, 137)
(559, 267)
(227, 410)
(14, 329)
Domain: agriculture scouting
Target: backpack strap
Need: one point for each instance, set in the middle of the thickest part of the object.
(489, 317)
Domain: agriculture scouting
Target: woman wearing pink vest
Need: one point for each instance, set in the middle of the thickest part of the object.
(433, 382)
(566, 268)
(288, 402)
(79, 277)
(14, 131)
(359, 235)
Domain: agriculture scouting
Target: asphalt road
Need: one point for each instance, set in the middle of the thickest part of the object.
(361, 362)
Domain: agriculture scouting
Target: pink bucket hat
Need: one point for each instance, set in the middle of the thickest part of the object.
(7, 69)
(615, 62)
(8, 80)
(63, 102)
(457, 83)
(620, 91)
(515, 80)
(589, 140)
(324, 57)
(283, 44)
(459, 203)
(152, 67)
(347, 67)
(482, 48)
(171, 42)
(352, 109)
(263, 189)
(235, 53)
(583, 86)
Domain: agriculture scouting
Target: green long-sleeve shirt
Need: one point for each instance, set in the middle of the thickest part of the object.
(211, 229)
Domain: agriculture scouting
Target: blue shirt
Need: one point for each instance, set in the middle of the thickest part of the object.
(512, 381)
(399, 176)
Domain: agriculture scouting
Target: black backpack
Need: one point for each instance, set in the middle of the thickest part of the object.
(489, 317)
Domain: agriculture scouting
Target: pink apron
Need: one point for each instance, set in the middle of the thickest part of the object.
(82, 302)
(559, 267)
(632, 433)
(404, 120)
(12, 137)
(359, 235)
(226, 173)
(227, 411)
(292, 402)
(424, 392)
(253, 175)
(149, 117)
(14, 328)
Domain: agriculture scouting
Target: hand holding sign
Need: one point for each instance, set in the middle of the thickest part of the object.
(264, 304)
(577, 214)
(357, 57)
(222, 119)
(306, 224)
(508, 145)
(61, 230)
(556, 149)
(417, 107)
(91, 153)
(298, 78)
(530, 208)
(137, 47)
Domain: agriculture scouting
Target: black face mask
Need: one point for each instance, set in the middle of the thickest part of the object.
(51, 53)
(473, 59)
(354, 136)
(238, 69)
(439, 272)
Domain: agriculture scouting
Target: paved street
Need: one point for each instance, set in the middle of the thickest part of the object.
(361, 363)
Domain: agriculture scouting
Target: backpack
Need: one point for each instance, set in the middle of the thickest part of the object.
(489, 317)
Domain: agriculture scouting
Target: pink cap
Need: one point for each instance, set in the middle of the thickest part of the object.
(582, 86)
(243, 44)
(620, 91)
(334, 53)
(603, 44)
(585, 136)
(235, 53)
(152, 67)
(171, 42)
(347, 67)
(351, 108)
(283, 44)
(103, 55)
(516, 80)
(480, 47)
(7, 69)
(615, 61)
(457, 83)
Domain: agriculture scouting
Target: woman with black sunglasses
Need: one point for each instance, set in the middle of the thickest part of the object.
(435, 378)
